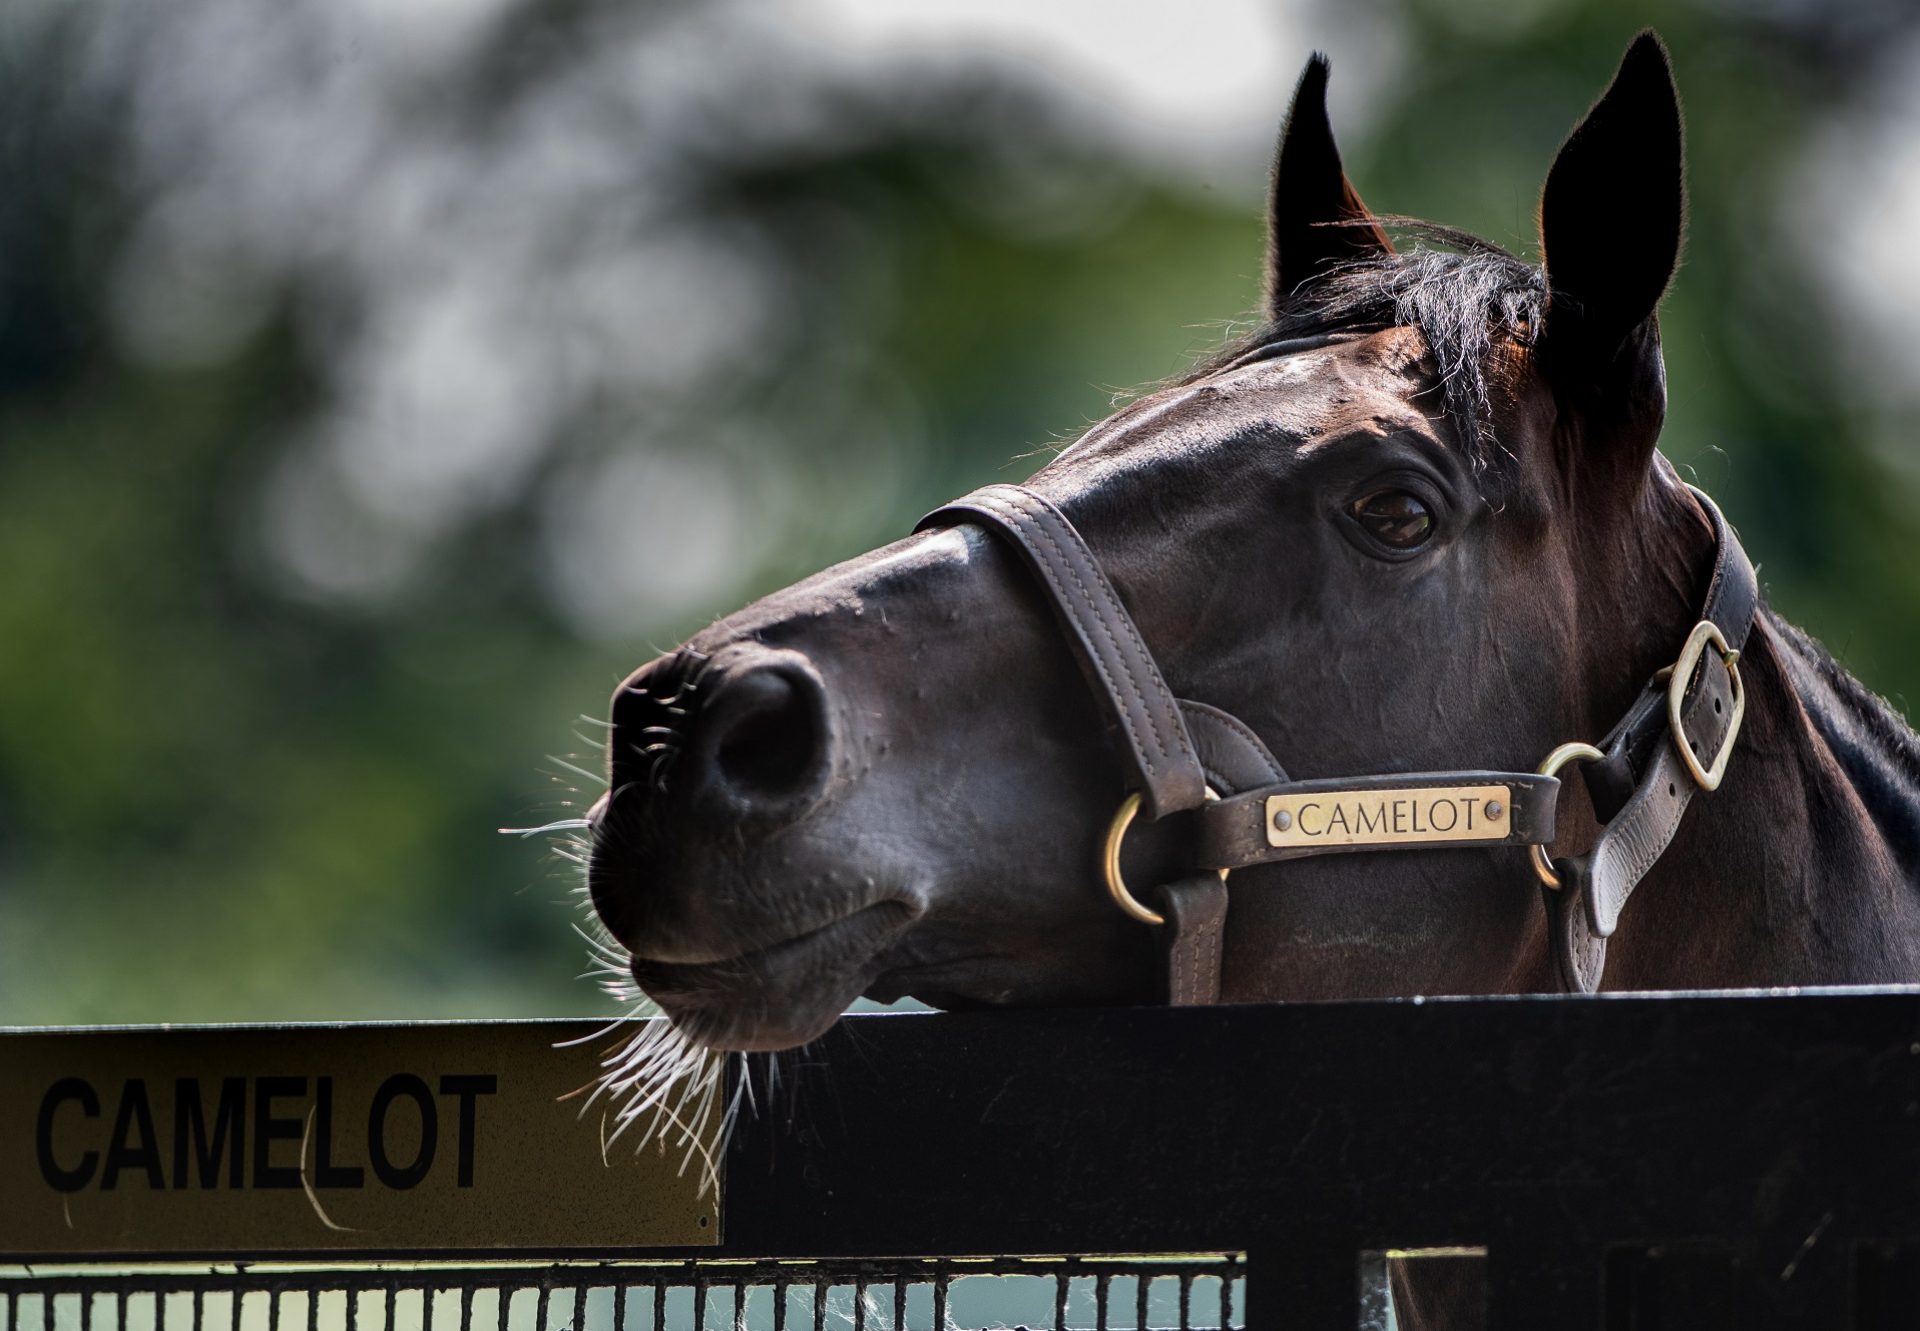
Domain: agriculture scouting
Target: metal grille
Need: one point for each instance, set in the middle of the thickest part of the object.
(934, 1294)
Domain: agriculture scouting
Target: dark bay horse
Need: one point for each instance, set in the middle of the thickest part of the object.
(1417, 523)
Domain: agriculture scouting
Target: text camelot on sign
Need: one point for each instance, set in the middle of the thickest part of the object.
(241, 1142)
(1389, 817)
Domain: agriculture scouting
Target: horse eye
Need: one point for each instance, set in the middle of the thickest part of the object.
(1395, 518)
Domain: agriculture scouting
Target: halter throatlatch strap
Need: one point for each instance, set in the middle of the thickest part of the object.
(1674, 741)
(1165, 766)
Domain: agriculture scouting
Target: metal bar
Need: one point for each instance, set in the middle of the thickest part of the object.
(865, 1279)
(449, 1277)
(1376, 1292)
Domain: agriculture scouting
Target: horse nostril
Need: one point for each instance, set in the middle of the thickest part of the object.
(748, 734)
(765, 730)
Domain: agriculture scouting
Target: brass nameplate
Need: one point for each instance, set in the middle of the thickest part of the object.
(383, 1140)
(1389, 817)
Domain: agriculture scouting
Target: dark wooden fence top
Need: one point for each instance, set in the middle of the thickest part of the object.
(1622, 1161)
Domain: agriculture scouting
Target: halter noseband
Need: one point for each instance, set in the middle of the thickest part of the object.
(1675, 739)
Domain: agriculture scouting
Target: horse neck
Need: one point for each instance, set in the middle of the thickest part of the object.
(1801, 868)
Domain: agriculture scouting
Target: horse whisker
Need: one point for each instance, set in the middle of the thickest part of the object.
(582, 772)
(558, 825)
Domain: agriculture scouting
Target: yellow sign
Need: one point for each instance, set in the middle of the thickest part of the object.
(381, 1139)
(1390, 817)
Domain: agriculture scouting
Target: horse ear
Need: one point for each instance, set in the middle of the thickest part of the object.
(1315, 218)
(1612, 212)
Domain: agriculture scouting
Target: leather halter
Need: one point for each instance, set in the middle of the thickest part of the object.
(1180, 755)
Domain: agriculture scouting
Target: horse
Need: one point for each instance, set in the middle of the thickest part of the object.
(1412, 537)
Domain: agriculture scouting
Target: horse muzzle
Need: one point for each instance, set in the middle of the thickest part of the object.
(711, 751)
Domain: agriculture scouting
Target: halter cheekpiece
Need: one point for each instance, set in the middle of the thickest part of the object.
(1674, 741)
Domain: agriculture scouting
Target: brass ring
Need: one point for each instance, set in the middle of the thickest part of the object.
(1559, 758)
(1110, 861)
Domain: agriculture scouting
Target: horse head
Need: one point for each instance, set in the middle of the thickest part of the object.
(1400, 528)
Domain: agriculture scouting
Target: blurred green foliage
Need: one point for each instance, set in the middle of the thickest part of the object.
(230, 792)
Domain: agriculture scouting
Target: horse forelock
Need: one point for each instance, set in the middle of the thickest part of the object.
(1473, 303)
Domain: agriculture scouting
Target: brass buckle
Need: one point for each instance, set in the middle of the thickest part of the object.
(1574, 751)
(1110, 861)
(1705, 633)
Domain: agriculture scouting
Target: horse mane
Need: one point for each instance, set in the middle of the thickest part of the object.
(1877, 721)
(1462, 293)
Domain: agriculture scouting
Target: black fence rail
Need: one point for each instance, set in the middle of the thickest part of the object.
(1747, 1161)
(1599, 1164)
